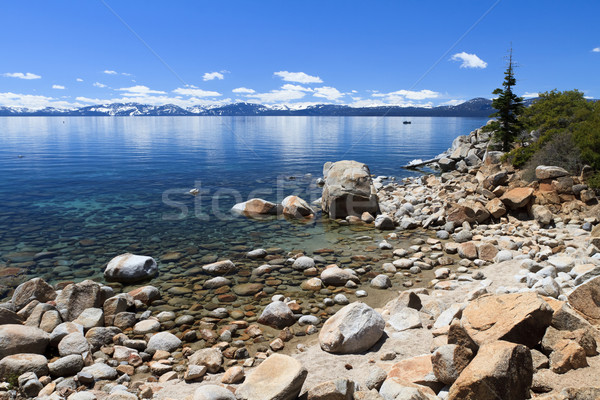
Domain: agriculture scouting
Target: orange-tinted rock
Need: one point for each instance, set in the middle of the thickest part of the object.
(517, 198)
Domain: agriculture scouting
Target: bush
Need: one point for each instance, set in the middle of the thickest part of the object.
(560, 151)
(594, 181)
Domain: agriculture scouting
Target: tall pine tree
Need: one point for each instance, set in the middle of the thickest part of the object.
(509, 106)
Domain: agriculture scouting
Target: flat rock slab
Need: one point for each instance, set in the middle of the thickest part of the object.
(279, 377)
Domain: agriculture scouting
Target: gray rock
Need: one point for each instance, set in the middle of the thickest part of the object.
(381, 282)
(348, 190)
(29, 384)
(211, 358)
(73, 343)
(100, 372)
(384, 222)
(462, 236)
(163, 341)
(302, 263)
(100, 336)
(66, 366)
(77, 297)
(220, 267)
(337, 276)
(448, 362)
(63, 330)
(129, 268)
(33, 289)
(213, 392)
(257, 253)
(404, 319)
(90, 318)
(375, 378)
(277, 315)
(216, 282)
(549, 172)
(341, 388)
(353, 329)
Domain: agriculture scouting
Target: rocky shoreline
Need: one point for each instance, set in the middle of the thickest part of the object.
(500, 302)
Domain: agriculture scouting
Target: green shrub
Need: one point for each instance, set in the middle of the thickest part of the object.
(594, 181)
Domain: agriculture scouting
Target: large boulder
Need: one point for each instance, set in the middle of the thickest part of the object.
(416, 370)
(128, 268)
(294, 206)
(516, 317)
(33, 289)
(517, 198)
(76, 297)
(277, 315)
(449, 361)
(549, 172)
(18, 364)
(500, 370)
(586, 299)
(348, 190)
(279, 377)
(353, 329)
(256, 208)
(9, 317)
(15, 339)
(213, 392)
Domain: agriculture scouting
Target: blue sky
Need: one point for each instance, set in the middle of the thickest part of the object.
(76, 53)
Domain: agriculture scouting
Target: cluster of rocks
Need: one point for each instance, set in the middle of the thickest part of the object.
(291, 206)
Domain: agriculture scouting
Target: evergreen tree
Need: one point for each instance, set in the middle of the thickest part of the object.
(509, 107)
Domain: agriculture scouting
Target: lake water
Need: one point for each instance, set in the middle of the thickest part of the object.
(78, 191)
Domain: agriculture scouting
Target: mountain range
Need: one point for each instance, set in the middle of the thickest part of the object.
(478, 107)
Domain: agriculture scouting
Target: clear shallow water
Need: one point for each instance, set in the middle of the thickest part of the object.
(89, 188)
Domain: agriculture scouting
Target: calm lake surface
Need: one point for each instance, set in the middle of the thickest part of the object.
(78, 191)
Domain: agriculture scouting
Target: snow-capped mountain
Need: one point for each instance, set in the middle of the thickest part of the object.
(478, 107)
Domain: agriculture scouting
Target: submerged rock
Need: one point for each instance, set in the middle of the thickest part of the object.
(294, 206)
(256, 208)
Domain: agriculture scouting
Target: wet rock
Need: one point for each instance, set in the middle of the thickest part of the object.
(18, 364)
(145, 294)
(295, 207)
(302, 263)
(279, 377)
(256, 254)
(33, 289)
(384, 222)
(163, 341)
(247, 289)
(256, 208)
(353, 329)
(348, 190)
(76, 297)
(211, 358)
(129, 268)
(216, 282)
(277, 315)
(220, 267)
(313, 284)
(15, 339)
(518, 318)
(499, 368)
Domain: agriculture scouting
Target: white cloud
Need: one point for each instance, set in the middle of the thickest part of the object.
(79, 80)
(100, 85)
(299, 77)
(110, 72)
(125, 73)
(277, 96)
(401, 95)
(329, 93)
(289, 86)
(58, 87)
(469, 60)
(209, 76)
(530, 95)
(20, 75)
(139, 90)
(596, 50)
(157, 101)
(243, 90)
(453, 102)
(194, 91)
(33, 102)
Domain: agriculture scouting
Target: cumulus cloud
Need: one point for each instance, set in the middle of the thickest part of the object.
(100, 85)
(110, 72)
(61, 87)
(469, 60)
(243, 90)
(530, 95)
(34, 102)
(194, 91)
(329, 93)
(596, 50)
(277, 96)
(289, 86)
(209, 76)
(79, 80)
(139, 90)
(299, 77)
(21, 75)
